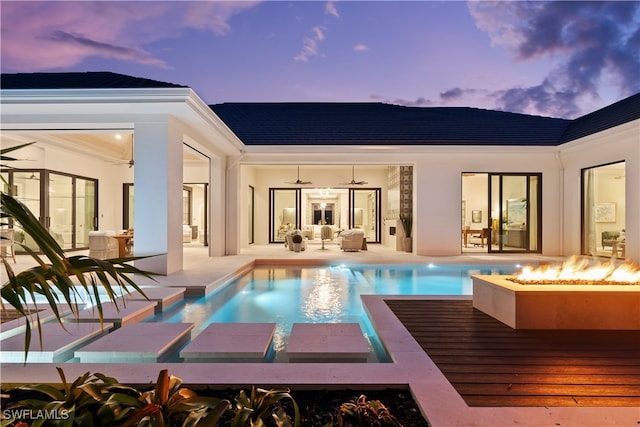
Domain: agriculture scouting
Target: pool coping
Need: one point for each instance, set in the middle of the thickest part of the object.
(410, 368)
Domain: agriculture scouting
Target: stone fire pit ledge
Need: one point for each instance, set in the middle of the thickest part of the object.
(557, 306)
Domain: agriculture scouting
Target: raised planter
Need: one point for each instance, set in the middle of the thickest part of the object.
(557, 306)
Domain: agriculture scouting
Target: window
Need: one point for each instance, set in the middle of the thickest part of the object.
(603, 210)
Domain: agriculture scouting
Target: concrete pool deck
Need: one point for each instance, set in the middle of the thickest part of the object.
(411, 366)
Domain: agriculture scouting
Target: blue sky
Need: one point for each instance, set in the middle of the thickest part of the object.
(560, 59)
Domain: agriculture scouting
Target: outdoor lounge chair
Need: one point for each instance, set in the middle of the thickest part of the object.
(351, 240)
(103, 245)
(288, 240)
(7, 243)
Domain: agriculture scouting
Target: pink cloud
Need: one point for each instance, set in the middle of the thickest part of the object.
(49, 35)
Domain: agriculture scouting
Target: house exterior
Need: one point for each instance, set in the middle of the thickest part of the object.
(246, 155)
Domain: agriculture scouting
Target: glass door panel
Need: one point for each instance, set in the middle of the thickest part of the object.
(66, 205)
(364, 212)
(533, 223)
(515, 212)
(496, 232)
(603, 211)
(285, 212)
(127, 203)
(85, 211)
(251, 215)
(61, 209)
(26, 189)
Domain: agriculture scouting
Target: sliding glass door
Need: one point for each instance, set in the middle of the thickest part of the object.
(364, 212)
(284, 213)
(603, 211)
(61, 209)
(251, 215)
(65, 204)
(86, 198)
(514, 224)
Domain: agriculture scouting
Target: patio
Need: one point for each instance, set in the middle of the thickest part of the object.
(412, 367)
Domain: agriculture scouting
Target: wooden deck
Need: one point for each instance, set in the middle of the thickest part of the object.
(490, 364)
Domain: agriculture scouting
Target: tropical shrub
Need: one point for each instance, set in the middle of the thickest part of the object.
(100, 401)
(361, 412)
(407, 224)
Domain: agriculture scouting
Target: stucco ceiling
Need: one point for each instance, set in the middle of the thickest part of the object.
(108, 145)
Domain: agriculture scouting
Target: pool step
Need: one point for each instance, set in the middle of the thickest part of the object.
(327, 342)
(163, 296)
(234, 342)
(58, 343)
(137, 343)
(125, 313)
(40, 311)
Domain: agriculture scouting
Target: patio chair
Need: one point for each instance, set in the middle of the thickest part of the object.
(351, 240)
(326, 233)
(7, 243)
(290, 244)
(103, 245)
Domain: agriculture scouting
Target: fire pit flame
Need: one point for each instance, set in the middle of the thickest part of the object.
(581, 271)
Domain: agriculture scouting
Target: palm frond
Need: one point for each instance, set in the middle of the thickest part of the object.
(59, 278)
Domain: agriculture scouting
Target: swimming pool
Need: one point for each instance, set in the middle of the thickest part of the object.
(330, 294)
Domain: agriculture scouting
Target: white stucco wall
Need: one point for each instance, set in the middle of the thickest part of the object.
(437, 189)
(438, 183)
(621, 143)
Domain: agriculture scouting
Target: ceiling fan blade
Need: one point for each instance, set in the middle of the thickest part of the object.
(353, 179)
(298, 181)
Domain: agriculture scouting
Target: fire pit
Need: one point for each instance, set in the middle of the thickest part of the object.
(575, 295)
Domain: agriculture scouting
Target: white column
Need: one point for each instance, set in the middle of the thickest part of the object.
(217, 205)
(158, 195)
(234, 195)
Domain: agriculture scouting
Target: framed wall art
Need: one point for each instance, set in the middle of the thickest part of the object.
(605, 212)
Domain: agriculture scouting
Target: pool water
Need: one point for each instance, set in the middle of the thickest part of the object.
(327, 294)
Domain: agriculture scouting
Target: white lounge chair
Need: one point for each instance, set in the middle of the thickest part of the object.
(351, 240)
(103, 245)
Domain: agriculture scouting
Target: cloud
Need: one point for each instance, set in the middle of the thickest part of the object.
(538, 100)
(38, 36)
(215, 15)
(593, 44)
(310, 45)
(66, 41)
(360, 47)
(452, 97)
(330, 9)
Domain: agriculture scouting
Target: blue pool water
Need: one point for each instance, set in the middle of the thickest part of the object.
(287, 295)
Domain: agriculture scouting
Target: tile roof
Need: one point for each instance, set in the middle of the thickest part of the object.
(613, 115)
(296, 123)
(384, 124)
(88, 80)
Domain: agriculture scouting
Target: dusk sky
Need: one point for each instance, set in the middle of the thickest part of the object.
(560, 59)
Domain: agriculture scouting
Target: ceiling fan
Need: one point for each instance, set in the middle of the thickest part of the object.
(353, 179)
(298, 181)
(129, 162)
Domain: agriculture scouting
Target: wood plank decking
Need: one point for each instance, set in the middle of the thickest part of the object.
(490, 364)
